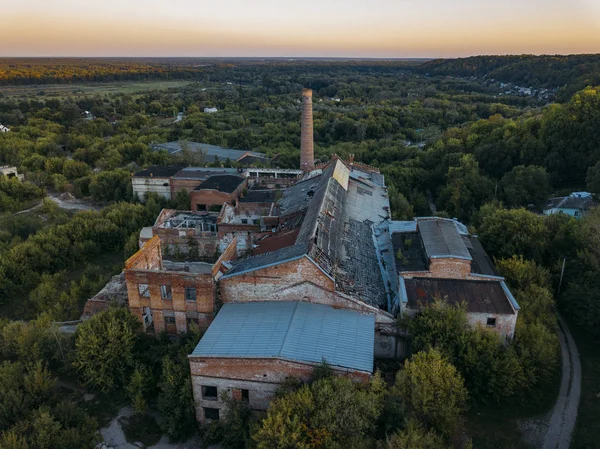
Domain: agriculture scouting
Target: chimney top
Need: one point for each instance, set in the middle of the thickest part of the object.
(307, 92)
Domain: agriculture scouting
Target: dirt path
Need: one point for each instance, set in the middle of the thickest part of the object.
(37, 206)
(114, 437)
(564, 413)
(71, 203)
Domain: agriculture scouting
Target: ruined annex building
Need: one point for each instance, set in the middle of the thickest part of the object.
(283, 269)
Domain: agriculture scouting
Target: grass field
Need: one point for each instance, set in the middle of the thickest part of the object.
(60, 91)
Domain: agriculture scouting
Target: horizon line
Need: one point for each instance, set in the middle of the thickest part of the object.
(351, 58)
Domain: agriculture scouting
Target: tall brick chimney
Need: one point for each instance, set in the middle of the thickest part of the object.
(307, 150)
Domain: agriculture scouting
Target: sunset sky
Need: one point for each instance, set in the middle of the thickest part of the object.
(344, 28)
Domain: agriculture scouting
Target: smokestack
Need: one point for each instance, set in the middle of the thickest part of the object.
(307, 150)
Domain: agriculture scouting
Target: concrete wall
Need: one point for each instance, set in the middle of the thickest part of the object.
(261, 377)
(160, 186)
(505, 324)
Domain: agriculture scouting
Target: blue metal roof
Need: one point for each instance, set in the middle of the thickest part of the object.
(291, 330)
(209, 151)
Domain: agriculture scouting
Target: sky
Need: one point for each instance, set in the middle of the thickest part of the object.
(291, 28)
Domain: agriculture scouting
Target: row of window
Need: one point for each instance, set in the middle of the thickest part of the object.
(166, 292)
(210, 393)
(190, 321)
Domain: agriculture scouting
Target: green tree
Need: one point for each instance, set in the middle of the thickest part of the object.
(175, 400)
(331, 413)
(138, 388)
(414, 437)
(432, 391)
(592, 179)
(401, 208)
(104, 348)
(525, 185)
(505, 233)
(466, 189)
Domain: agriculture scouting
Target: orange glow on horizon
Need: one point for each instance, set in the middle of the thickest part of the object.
(72, 35)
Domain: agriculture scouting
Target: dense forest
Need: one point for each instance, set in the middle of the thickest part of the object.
(570, 73)
(444, 138)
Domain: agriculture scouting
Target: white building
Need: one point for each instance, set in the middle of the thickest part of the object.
(4, 129)
(11, 172)
(210, 110)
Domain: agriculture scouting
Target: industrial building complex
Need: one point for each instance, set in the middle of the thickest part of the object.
(284, 269)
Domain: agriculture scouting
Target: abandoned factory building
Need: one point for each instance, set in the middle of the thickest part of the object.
(285, 268)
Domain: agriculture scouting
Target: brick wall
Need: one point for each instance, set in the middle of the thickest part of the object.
(444, 268)
(260, 377)
(208, 198)
(145, 268)
(147, 258)
(184, 184)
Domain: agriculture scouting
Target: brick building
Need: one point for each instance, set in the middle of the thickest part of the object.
(310, 269)
(212, 193)
(169, 296)
(184, 232)
(437, 259)
(251, 348)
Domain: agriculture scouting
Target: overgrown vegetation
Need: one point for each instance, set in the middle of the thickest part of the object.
(490, 160)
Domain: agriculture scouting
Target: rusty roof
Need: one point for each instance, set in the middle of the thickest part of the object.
(480, 296)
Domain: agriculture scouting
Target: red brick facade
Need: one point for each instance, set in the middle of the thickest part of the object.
(163, 293)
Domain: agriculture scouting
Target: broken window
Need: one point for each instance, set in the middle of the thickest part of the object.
(193, 322)
(169, 320)
(245, 395)
(209, 393)
(211, 414)
(491, 322)
(144, 290)
(244, 221)
(190, 293)
(166, 292)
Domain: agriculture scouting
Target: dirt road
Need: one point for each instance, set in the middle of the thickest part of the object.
(564, 414)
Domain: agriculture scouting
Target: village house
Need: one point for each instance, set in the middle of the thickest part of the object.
(576, 204)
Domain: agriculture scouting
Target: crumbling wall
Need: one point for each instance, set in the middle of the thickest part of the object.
(145, 268)
(261, 377)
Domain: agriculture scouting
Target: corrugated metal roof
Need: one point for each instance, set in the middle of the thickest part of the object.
(441, 239)
(209, 151)
(298, 331)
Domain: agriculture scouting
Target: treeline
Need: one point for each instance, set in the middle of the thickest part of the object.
(68, 71)
(569, 72)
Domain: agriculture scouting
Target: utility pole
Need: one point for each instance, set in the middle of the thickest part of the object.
(562, 272)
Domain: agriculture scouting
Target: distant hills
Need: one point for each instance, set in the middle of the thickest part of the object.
(571, 73)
